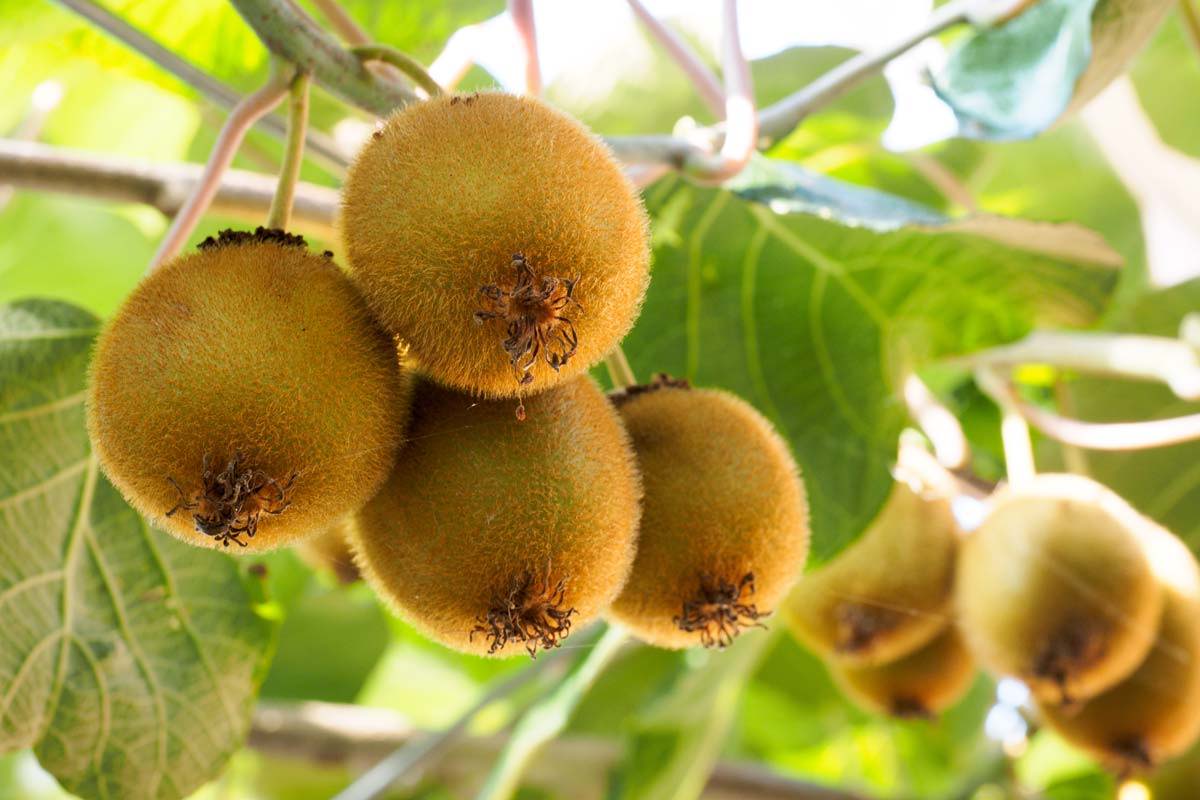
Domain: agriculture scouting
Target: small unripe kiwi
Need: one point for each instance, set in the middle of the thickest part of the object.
(888, 593)
(498, 238)
(920, 685)
(1055, 588)
(242, 394)
(1154, 714)
(492, 532)
(724, 520)
(329, 551)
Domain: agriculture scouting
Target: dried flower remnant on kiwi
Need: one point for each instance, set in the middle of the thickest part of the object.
(531, 307)
(858, 626)
(230, 502)
(260, 235)
(661, 380)
(718, 611)
(1077, 646)
(531, 612)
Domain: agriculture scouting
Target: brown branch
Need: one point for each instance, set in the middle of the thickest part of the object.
(355, 737)
(243, 195)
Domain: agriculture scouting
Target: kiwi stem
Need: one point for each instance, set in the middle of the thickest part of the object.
(401, 61)
(293, 154)
(1014, 430)
(243, 116)
(704, 79)
(619, 370)
(521, 12)
(549, 716)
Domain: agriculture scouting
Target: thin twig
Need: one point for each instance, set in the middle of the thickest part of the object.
(1102, 435)
(741, 118)
(521, 12)
(938, 423)
(1019, 462)
(293, 155)
(704, 79)
(409, 761)
(239, 121)
(1154, 358)
(353, 34)
(619, 370)
(165, 187)
(549, 716)
(401, 61)
(292, 35)
(319, 145)
(456, 58)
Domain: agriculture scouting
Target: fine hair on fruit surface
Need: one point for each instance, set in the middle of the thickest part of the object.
(891, 591)
(1154, 713)
(1056, 588)
(724, 520)
(329, 551)
(242, 395)
(498, 238)
(918, 685)
(496, 536)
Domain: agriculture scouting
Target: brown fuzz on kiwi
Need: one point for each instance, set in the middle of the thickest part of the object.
(242, 397)
(724, 519)
(499, 238)
(496, 536)
(890, 592)
(1154, 713)
(919, 685)
(329, 551)
(1055, 588)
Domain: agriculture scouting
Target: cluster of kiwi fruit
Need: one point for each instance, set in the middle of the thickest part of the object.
(1063, 586)
(424, 418)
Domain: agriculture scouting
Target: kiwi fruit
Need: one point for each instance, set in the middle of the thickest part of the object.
(329, 552)
(243, 395)
(1055, 588)
(724, 520)
(1154, 714)
(919, 685)
(887, 594)
(498, 238)
(492, 532)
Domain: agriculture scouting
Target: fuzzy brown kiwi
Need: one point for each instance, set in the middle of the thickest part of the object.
(493, 535)
(498, 238)
(1055, 588)
(329, 551)
(887, 594)
(919, 685)
(724, 519)
(243, 395)
(1154, 714)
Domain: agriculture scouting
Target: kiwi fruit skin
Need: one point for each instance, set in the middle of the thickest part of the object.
(437, 204)
(887, 594)
(1153, 714)
(258, 353)
(482, 506)
(329, 552)
(919, 685)
(1056, 588)
(723, 500)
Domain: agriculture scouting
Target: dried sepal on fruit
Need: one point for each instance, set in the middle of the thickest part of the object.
(1055, 588)
(919, 685)
(1153, 714)
(891, 591)
(242, 397)
(494, 536)
(329, 551)
(724, 520)
(499, 238)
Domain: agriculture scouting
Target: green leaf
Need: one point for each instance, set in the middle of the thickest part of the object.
(127, 659)
(1015, 80)
(816, 323)
(1018, 79)
(1162, 482)
(677, 736)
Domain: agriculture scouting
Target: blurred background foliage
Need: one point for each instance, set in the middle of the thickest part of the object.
(663, 715)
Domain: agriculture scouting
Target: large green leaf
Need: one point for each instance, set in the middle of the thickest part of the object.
(816, 323)
(127, 659)
(1017, 79)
